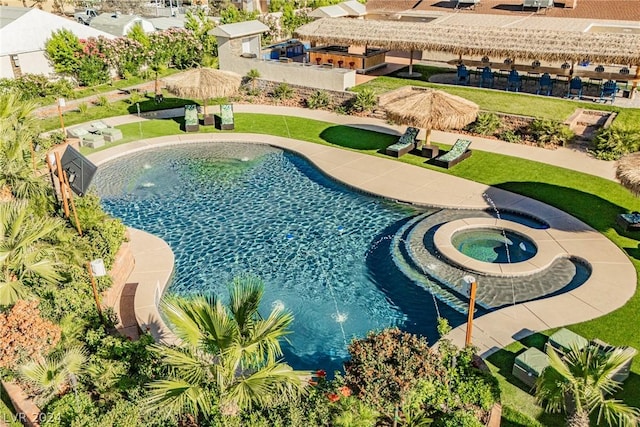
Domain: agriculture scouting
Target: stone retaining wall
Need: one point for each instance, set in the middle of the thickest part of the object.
(338, 97)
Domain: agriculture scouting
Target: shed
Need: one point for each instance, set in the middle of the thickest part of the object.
(241, 39)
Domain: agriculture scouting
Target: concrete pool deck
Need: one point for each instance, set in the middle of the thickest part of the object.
(611, 284)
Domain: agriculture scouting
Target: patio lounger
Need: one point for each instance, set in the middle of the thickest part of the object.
(623, 372)
(87, 139)
(629, 221)
(226, 117)
(191, 121)
(529, 365)
(111, 134)
(563, 340)
(406, 143)
(458, 153)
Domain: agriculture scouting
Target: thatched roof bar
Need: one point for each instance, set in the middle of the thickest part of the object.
(497, 42)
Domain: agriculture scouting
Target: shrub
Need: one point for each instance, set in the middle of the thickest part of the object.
(83, 107)
(366, 100)
(318, 99)
(510, 136)
(615, 141)
(545, 131)
(102, 101)
(486, 124)
(283, 91)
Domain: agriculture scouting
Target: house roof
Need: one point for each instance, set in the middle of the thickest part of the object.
(166, 22)
(591, 9)
(113, 23)
(239, 29)
(349, 8)
(27, 30)
(507, 42)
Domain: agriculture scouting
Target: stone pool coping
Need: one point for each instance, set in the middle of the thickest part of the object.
(548, 248)
(611, 284)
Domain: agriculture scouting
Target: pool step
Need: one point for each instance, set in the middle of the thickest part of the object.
(418, 277)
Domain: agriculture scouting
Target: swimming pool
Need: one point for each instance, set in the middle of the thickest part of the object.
(322, 249)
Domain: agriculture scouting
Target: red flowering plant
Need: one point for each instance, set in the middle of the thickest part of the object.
(123, 54)
(93, 62)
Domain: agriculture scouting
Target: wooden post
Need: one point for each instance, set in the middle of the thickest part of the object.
(410, 62)
(61, 104)
(95, 292)
(634, 85)
(427, 136)
(61, 181)
(73, 205)
(471, 282)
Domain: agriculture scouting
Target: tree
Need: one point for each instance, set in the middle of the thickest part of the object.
(200, 24)
(580, 382)
(63, 50)
(25, 253)
(228, 357)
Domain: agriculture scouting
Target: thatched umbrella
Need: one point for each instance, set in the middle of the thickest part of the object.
(628, 172)
(203, 83)
(428, 109)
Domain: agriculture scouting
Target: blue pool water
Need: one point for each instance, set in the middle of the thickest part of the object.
(322, 249)
(495, 246)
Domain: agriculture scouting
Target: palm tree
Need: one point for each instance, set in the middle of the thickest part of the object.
(228, 356)
(580, 382)
(24, 252)
(55, 375)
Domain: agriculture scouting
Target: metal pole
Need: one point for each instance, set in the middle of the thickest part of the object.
(472, 304)
(64, 133)
(95, 291)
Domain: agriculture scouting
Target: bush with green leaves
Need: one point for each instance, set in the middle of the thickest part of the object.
(282, 91)
(486, 124)
(615, 141)
(510, 136)
(546, 131)
(318, 99)
(83, 107)
(365, 100)
(102, 101)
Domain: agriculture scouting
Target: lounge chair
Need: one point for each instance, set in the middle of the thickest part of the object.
(462, 75)
(629, 221)
(564, 340)
(191, 121)
(406, 143)
(514, 82)
(545, 85)
(528, 366)
(226, 117)
(622, 373)
(458, 153)
(109, 133)
(609, 90)
(486, 78)
(87, 139)
(575, 88)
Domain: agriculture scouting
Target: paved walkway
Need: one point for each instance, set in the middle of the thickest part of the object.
(611, 284)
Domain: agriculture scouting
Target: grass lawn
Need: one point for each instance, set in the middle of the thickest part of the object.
(594, 200)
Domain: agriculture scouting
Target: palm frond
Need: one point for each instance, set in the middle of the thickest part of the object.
(11, 291)
(175, 396)
(183, 363)
(245, 295)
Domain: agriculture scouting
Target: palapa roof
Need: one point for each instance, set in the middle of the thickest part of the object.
(525, 43)
(427, 108)
(628, 172)
(203, 83)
